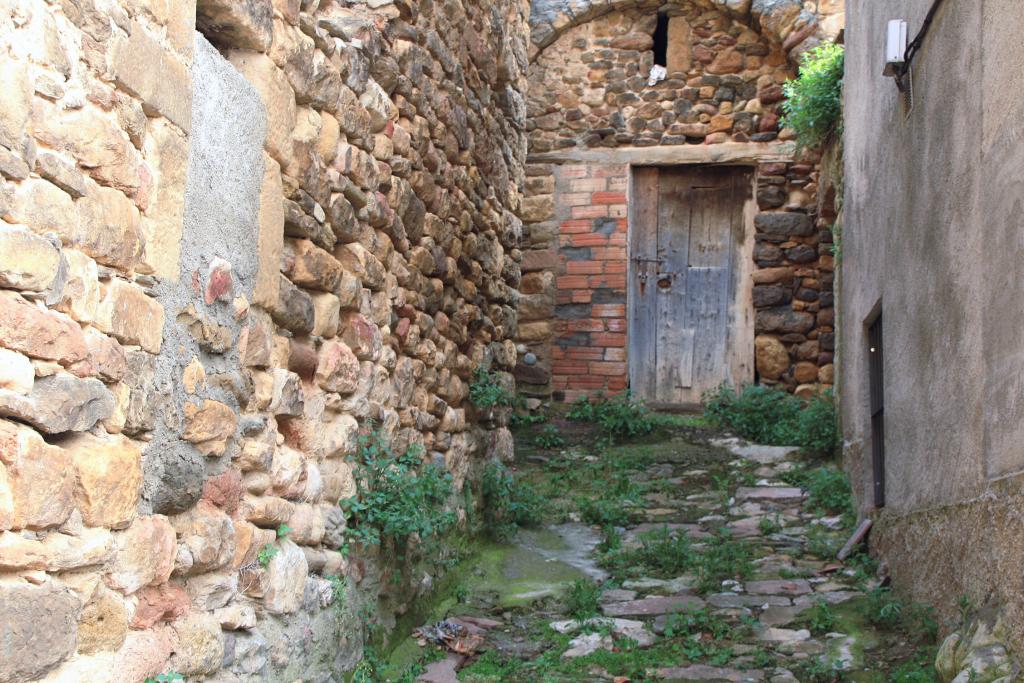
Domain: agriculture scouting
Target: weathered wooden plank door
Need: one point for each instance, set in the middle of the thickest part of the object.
(683, 234)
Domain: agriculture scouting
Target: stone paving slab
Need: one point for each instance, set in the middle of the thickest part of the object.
(700, 673)
(771, 494)
(649, 607)
(779, 587)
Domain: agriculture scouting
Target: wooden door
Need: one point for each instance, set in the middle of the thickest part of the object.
(685, 227)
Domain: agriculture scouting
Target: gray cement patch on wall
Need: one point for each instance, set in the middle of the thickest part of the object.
(222, 195)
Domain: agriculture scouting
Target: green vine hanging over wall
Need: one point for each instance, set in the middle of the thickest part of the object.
(814, 101)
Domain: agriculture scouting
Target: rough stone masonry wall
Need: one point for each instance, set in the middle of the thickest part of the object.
(216, 263)
(589, 93)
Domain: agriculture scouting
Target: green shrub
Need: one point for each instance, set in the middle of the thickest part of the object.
(661, 553)
(813, 106)
(618, 417)
(774, 417)
(396, 495)
(508, 504)
(549, 438)
(604, 511)
(829, 493)
(583, 599)
(487, 391)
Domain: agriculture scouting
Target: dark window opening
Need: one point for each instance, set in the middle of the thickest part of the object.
(661, 41)
(877, 408)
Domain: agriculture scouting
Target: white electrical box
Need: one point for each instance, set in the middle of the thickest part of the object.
(895, 47)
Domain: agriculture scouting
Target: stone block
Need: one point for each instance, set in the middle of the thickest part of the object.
(326, 309)
(81, 293)
(380, 107)
(285, 581)
(127, 313)
(270, 241)
(165, 602)
(27, 261)
(200, 645)
(38, 628)
(16, 112)
(178, 16)
(212, 590)
(37, 479)
(55, 552)
(771, 356)
(95, 140)
(783, 320)
(43, 208)
(109, 230)
(103, 623)
(106, 357)
(166, 149)
(143, 556)
(153, 74)
(784, 224)
(16, 372)
(240, 24)
(337, 368)
(61, 173)
(293, 309)
(109, 478)
(357, 259)
(309, 266)
(60, 403)
(361, 336)
(206, 539)
(210, 426)
(272, 85)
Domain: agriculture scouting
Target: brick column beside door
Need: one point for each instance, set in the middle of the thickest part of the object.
(589, 349)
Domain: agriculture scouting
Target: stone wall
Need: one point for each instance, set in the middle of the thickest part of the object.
(592, 115)
(222, 253)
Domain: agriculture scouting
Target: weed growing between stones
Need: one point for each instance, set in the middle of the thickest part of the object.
(583, 599)
(486, 391)
(267, 553)
(508, 504)
(723, 559)
(774, 417)
(169, 677)
(617, 417)
(397, 496)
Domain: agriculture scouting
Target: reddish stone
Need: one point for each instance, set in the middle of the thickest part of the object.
(166, 602)
(302, 358)
(402, 329)
(769, 123)
(224, 491)
(218, 280)
(771, 94)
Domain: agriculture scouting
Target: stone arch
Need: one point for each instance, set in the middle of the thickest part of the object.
(786, 22)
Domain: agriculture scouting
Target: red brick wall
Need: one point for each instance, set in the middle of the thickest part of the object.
(588, 350)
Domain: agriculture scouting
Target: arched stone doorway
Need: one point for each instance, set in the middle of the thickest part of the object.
(597, 122)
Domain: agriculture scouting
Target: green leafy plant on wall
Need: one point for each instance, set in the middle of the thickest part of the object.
(813, 106)
(487, 391)
(397, 496)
